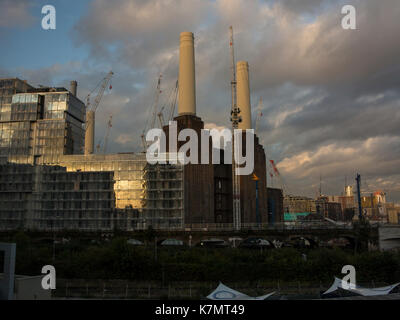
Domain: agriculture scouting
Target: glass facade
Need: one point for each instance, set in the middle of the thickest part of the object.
(9, 87)
(144, 195)
(91, 193)
(15, 137)
(163, 195)
(39, 122)
(127, 170)
(25, 107)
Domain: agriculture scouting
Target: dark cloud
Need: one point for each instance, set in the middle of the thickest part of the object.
(331, 96)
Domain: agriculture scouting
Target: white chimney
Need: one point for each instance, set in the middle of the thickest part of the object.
(243, 94)
(187, 81)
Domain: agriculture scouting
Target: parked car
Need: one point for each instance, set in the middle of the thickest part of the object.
(213, 243)
(134, 242)
(256, 243)
(171, 242)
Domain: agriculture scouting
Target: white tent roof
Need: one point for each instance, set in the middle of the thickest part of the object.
(225, 293)
(360, 290)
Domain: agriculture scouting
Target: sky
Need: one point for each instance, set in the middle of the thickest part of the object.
(331, 97)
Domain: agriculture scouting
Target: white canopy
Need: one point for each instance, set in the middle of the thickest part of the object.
(360, 290)
(225, 293)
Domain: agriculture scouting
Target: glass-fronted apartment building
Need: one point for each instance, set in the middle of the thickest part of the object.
(37, 122)
(145, 195)
(46, 183)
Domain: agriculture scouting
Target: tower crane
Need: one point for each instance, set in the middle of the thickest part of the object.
(235, 119)
(275, 172)
(103, 85)
(153, 115)
(91, 111)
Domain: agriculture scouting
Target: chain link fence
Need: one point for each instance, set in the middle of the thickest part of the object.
(121, 289)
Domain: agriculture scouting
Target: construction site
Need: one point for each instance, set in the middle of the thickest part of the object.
(54, 177)
(49, 161)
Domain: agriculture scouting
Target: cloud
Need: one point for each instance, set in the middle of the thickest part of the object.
(124, 139)
(310, 6)
(142, 33)
(211, 125)
(331, 102)
(15, 13)
(374, 158)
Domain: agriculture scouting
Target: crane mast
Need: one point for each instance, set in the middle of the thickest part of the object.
(155, 107)
(89, 125)
(109, 126)
(235, 119)
(275, 172)
(161, 117)
(172, 103)
(153, 115)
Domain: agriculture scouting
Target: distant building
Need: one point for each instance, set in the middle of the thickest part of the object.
(330, 207)
(393, 214)
(374, 207)
(275, 205)
(298, 204)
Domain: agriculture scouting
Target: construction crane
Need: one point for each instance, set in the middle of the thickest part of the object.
(259, 115)
(173, 97)
(152, 117)
(89, 125)
(105, 140)
(161, 117)
(103, 85)
(275, 172)
(109, 126)
(235, 119)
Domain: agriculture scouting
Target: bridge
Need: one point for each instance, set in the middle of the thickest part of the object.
(380, 236)
(389, 237)
(315, 232)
